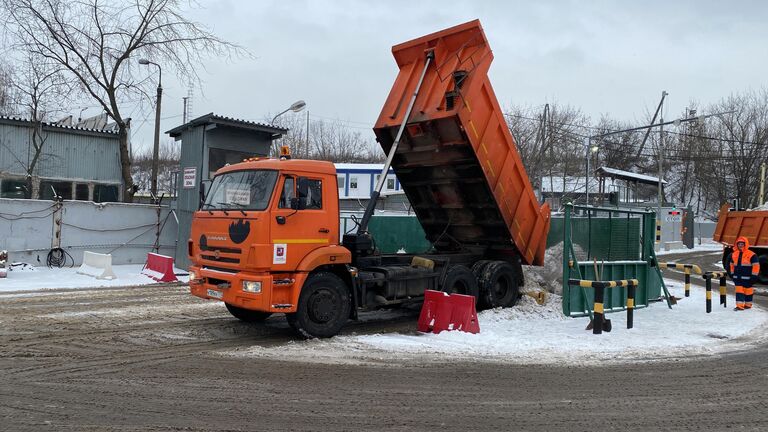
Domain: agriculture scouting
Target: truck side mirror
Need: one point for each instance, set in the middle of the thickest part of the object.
(297, 204)
(204, 189)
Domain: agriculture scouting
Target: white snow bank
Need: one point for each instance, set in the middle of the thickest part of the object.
(42, 278)
(533, 334)
(705, 246)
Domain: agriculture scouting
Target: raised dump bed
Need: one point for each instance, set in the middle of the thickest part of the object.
(457, 161)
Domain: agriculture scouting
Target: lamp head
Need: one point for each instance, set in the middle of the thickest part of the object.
(143, 61)
(298, 106)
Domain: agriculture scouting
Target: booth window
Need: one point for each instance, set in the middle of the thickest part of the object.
(81, 192)
(105, 193)
(12, 188)
(63, 189)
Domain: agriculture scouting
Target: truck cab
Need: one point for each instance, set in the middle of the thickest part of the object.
(263, 226)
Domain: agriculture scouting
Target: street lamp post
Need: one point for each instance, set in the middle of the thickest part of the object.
(295, 107)
(156, 149)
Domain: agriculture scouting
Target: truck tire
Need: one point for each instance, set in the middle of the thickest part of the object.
(247, 315)
(500, 284)
(763, 275)
(323, 307)
(460, 280)
(477, 270)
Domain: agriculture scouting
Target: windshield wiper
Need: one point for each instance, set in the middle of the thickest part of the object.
(223, 203)
(241, 206)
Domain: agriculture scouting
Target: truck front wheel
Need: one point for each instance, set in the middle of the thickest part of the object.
(247, 315)
(323, 307)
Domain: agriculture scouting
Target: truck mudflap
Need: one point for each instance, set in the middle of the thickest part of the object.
(457, 160)
(259, 292)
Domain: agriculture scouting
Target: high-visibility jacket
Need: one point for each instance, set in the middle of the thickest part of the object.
(744, 265)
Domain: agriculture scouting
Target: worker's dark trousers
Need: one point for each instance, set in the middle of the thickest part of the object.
(744, 297)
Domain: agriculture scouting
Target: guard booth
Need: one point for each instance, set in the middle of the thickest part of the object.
(603, 243)
(207, 144)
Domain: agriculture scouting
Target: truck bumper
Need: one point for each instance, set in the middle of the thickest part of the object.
(228, 287)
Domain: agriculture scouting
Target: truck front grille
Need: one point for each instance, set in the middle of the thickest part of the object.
(220, 259)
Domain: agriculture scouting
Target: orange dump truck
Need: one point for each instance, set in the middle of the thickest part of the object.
(752, 224)
(266, 237)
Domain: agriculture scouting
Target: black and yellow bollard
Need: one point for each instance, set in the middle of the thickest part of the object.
(709, 294)
(630, 305)
(597, 324)
(658, 231)
(722, 290)
(687, 281)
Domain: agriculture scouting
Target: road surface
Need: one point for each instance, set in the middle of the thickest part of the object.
(145, 359)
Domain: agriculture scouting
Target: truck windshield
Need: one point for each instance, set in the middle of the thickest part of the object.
(241, 190)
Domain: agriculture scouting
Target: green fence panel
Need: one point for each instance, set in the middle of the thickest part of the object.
(610, 238)
(393, 233)
(649, 287)
(615, 241)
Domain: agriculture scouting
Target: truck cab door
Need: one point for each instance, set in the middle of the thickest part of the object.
(301, 221)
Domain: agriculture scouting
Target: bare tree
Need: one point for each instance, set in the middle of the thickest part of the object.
(37, 89)
(97, 43)
(330, 140)
(7, 94)
(169, 156)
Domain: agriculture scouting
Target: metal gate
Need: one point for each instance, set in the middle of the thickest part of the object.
(602, 243)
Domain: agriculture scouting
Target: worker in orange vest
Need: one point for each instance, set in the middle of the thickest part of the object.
(744, 269)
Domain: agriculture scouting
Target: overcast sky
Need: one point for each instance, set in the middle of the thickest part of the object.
(605, 57)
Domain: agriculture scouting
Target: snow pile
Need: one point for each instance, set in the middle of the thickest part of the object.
(533, 334)
(29, 278)
(548, 277)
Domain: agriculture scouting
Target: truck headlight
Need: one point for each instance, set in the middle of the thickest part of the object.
(252, 287)
(193, 275)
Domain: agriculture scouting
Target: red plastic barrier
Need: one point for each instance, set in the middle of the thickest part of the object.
(159, 267)
(441, 311)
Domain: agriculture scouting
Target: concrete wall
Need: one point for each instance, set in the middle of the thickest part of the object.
(127, 231)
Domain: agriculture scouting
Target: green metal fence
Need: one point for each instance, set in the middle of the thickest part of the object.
(609, 244)
(393, 233)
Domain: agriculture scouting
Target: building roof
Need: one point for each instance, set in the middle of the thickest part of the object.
(558, 184)
(360, 167)
(19, 121)
(628, 176)
(213, 119)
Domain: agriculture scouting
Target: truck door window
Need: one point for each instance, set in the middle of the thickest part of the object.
(310, 193)
(289, 191)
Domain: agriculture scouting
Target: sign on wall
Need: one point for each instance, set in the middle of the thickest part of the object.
(190, 178)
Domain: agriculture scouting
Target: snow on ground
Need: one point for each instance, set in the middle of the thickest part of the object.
(705, 246)
(533, 334)
(43, 278)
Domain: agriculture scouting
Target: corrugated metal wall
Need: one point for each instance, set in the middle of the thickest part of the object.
(67, 153)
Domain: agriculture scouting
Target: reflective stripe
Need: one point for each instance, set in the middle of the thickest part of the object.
(598, 308)
(630, 303)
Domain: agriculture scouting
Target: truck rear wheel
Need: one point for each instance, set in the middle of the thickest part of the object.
(499, 284)
(763, 275)
(247, 315)
(460, 280)
(477, 270)
(323, 307)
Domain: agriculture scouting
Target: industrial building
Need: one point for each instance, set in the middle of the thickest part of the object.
(75, 163)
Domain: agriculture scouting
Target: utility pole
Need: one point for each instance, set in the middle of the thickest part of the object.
(762, 184)
(156, 149)
(184, 116)
(306, 145)
(664, 94)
